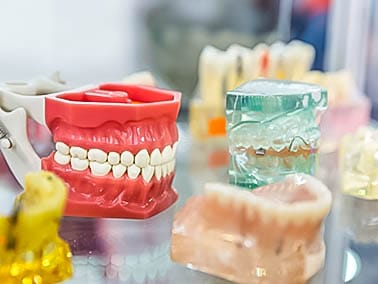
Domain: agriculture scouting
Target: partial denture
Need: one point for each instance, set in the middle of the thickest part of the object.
(270, 235)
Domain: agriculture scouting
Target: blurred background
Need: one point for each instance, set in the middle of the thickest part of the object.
(92, 41)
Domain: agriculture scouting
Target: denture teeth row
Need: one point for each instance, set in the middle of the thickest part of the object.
(101, 163)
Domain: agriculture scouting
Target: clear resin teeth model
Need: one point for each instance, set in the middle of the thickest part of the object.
(220, 71)
(273, 130)
(359, 163)
(270, 235)
(31, 250)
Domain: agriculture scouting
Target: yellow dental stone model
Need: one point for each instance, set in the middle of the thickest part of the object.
(31, 251)
(358, 159)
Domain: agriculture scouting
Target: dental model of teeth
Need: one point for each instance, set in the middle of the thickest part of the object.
(220, 71)
(115, 147)
(146, 164)
(273, 130)
(270, 235)
(359, 163)
(31, 250)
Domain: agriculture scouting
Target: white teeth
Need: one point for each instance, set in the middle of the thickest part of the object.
(78, 164)
(119, 170)
(174, 149)
(158, 172)
(171, 166)
(155, 157)
(78, 152)
(100, 169)
(97, 155)
(61, 159)
(147, 173)
(159, 163)
(62, 148)
(113, 158)
(127, 158)
(142, 158)
(133, 171)
(166, 154)
(164, 170)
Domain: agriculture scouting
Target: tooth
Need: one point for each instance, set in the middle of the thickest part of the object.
(119, 170)
(166, 154)
(97, 155)
(133, 171)
(79, 164)
(174, 149)
(171, 166)
(61, 159)
(127, 158)
(147, 173)
(100, 169)
(78, 152)
(113, 158)
(164, 170)
(155, 157)
(62, 148)
(142, 158)
(158, 172)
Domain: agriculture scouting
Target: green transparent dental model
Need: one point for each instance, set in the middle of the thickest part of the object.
(273, 130)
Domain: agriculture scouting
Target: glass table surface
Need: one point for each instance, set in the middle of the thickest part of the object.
(137, 251)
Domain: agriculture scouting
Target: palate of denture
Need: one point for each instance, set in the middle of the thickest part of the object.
(275, 231)
(115, 148)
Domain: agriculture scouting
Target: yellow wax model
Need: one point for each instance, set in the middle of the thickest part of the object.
(31, 250)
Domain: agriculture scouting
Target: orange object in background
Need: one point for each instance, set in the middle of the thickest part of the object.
(217, 126)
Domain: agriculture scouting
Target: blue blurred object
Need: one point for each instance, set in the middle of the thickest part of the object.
(309, 24)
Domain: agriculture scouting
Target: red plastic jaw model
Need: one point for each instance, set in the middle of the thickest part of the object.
(115, 147)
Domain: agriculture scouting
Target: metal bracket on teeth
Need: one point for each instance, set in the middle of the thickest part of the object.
(260, 152)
